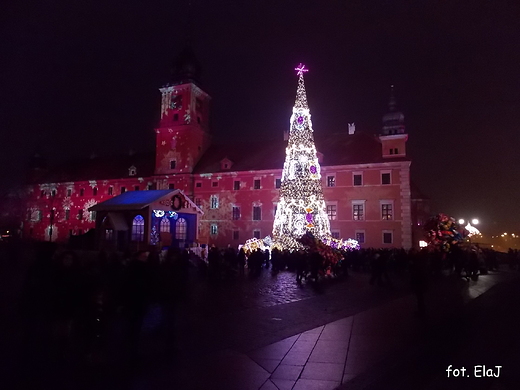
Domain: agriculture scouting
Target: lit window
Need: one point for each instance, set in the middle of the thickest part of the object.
(138, 228)
(236, 213)
(181, 229)
(358, 211)
(256, 233)
(360, 237)
(358, 180)
(256, 184)
(257, 213)
(331, 181)
(386, 211)
(332, 212)
(213, 229)
(385, 178)
(164, 226)
(236, 185)
(213, 202)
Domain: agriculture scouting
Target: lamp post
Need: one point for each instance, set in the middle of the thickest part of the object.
(52, 194)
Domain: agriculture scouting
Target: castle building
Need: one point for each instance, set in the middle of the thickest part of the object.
(193, 190)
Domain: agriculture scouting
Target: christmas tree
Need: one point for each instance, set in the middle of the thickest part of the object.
(301, 208)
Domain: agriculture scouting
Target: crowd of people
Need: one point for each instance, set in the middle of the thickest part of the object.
(74, 302)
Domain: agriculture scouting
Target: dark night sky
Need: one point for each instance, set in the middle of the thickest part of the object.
(82, 76)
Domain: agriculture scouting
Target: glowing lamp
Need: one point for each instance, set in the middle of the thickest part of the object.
(423, 244)
(461, 221)
(474, 221)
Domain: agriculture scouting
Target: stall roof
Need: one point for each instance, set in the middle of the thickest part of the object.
(133, 200)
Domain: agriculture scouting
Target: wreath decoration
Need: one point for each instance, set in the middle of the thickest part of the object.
(176, 202)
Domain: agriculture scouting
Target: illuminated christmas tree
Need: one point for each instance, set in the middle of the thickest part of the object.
(301, 207)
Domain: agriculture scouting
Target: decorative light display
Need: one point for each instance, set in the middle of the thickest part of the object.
(302, 207)
(158, 213)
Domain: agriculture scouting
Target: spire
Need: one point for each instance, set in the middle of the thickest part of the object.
(301, 95)
(392, 103)
(393, 121)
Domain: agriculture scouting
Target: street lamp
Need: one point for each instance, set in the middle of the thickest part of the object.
(474, 221)
(461, 221)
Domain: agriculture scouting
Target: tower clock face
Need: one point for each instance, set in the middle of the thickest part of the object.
(176, 102)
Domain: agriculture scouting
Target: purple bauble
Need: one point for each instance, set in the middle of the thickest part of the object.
(308, 217)
(300, 120)
(313, 169)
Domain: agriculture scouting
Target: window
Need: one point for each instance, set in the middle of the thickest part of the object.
(358, 211)
(257, 213)
(360, 236)
(236, 185)
(198, 184)
(53, 193)
(358, 179)
(198, 202)
(386, 211)
(256, 233)
(136, 188)
(331, 181)
(214, 183)
(213, 202)
(109, 234)
(69, 192)
(332, 212)
(81, 192)
(110, 190)
(396, 151)
(385, 178)
(67, 215)
(335, 235)
(92, 215)
(181, 230)
(176, 102)
(173, 163)
(171, 186)
(150, 186)
(132, 171)
(138, 228)
(94, 191)
(387, 237)
(123, 190)
(164, 225)
(278, 183)
(256, 184)
(80, 214)
(236, 213)
(235, 235)
(213, 229)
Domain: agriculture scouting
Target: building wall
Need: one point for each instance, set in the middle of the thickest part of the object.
(202, 187)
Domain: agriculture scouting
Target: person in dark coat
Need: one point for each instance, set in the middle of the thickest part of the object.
(419, 271)
(241, 261)
(136, 295)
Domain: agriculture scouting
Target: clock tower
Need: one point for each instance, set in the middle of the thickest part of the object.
(182, 136)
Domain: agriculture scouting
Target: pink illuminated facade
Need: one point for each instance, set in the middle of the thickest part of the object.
(366, 179)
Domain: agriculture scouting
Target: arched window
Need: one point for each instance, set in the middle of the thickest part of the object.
(181, 229)
(138, 228)
(164, 226)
